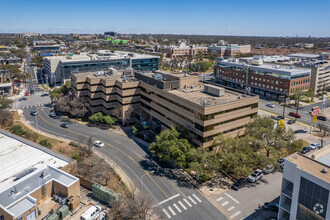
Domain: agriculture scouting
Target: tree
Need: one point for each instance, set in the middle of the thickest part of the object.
(170, 148)
(212, 56)
(6, 118)
(310, 93)
(200, 55)
(17, 129)
(38, 60)
(295, 146)
(74, 107)
(5, 103)
(100, 118)
(323, 128)
(45, 143)
(295, 96)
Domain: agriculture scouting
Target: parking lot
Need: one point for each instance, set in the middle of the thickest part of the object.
(242, 203)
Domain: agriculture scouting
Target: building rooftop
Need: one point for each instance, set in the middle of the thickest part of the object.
(111, 75)
(313, 166)
(17, 156)
(29, 183)
(304, 55)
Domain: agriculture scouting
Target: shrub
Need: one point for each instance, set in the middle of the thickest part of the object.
(74, 144)
(45, 143)
(76, 156)
(17, 129)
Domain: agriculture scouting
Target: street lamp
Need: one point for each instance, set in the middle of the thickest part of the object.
(141, 179)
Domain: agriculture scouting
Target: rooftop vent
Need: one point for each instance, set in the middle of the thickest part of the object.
(324, 170)
(157, 76)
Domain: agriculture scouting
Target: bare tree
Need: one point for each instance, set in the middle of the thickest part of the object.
(6, 118)
(323, 128)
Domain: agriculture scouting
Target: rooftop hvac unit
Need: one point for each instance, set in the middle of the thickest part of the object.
(99, 73)
(214, 90)
(157, 76)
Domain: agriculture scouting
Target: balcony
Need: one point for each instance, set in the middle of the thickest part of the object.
(287, 188)
(286, 203)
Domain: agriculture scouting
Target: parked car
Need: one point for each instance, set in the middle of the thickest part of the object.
(44, 94)
(305, 150)
(313, 146)
(280, 117)
(240, 183)
(322, 117)
(26, 93)
(34, 112)
(268, 169)
(256, 175)
(65, 125)
(293, 114)
(270, 105)
(52, 114)
(291, 122)
(280, 162)
(31, 91)
(98, 144)
(22, 99)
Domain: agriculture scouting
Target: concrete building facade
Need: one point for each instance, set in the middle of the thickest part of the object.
(181, 50)
(170, 99)
(305, 187)
(229, 50)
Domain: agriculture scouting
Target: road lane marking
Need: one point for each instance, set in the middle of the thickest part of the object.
(197, 198)
(192, 200)
(234, 215)
(186, 201)
(232, 198)
(171, 210)
(219, 199)
(225, 203)
(177, 207)
(175, 188)
(112, 147)
(166, 213)
(166, 200)
(183, 206)
(231, 208)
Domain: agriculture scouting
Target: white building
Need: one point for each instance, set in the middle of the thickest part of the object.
(306, 186)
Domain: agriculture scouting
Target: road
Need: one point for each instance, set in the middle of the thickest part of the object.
(172, 193)
(303, 111)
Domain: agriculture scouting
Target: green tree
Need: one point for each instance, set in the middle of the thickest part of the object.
(170, 148)
(45, 143)
(310, 93)
(17, 129)
(295, 146)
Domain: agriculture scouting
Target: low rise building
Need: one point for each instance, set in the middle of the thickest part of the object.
(59, 68)
(305, 186)
(46, 45)
(228, 50)
(267, 80)
(180, 100)
(6, 88)
(181, 50)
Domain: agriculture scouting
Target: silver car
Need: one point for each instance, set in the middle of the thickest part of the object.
(256, 175)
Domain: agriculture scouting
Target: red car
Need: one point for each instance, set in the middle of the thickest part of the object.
(294, 115)
(26, 93)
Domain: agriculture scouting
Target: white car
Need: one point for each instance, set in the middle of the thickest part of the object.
(270, 105)
(313, 146)
(98, 144)
(256, 175)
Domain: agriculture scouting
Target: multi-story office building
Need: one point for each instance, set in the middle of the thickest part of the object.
(170, 99)
(46, 45)
(59, 68)
(320, 69)
(267, 80)
(305, 187)
(181, 51)
(228, 50)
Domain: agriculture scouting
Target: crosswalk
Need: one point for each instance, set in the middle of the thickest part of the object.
(230, 203)
(181, 205)
(33, 106)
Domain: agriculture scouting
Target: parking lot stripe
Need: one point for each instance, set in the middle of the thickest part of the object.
(177, 207)
(183, 206)
(234, 215)
(192, 200)
(166, 213)
(186, 201)
(197, 198)
(171, 210)
(219, 199)
(225, 203)
(232, 198)
(231, 208)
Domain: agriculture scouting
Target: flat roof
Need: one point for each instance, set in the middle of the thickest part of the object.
(21, 207)
(17, 156)
(314, 166)
(304, 55)
(103, 75)
(33, 181)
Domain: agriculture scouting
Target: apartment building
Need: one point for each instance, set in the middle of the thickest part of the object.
(228, 50)
(182, 50)
(319, 64)
(305, 186)
(170, 99)
(59, 68)
(267, 80)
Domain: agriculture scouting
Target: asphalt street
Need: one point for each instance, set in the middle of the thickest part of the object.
(172, 192)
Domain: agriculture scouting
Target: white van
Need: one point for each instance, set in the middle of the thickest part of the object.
(91, 214)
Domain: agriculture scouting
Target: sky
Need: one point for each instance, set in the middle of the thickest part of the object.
(208, 17)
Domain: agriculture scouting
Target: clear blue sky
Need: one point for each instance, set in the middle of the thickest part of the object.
(217, 17)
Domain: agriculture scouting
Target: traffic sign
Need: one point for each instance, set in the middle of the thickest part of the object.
(281, 123)
(314, 119)
(315, 111)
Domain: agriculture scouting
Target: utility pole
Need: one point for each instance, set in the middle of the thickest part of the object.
(284, 105)
(297, 107)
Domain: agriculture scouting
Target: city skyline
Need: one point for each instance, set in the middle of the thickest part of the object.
(240, 18)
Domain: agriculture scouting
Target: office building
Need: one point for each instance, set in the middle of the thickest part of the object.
(305, 186)
(228, 50)
(46, 45)
(59, 68)
(319, 64)
(182, 50)
(169, 99)
(110, 34)
(267, 80)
